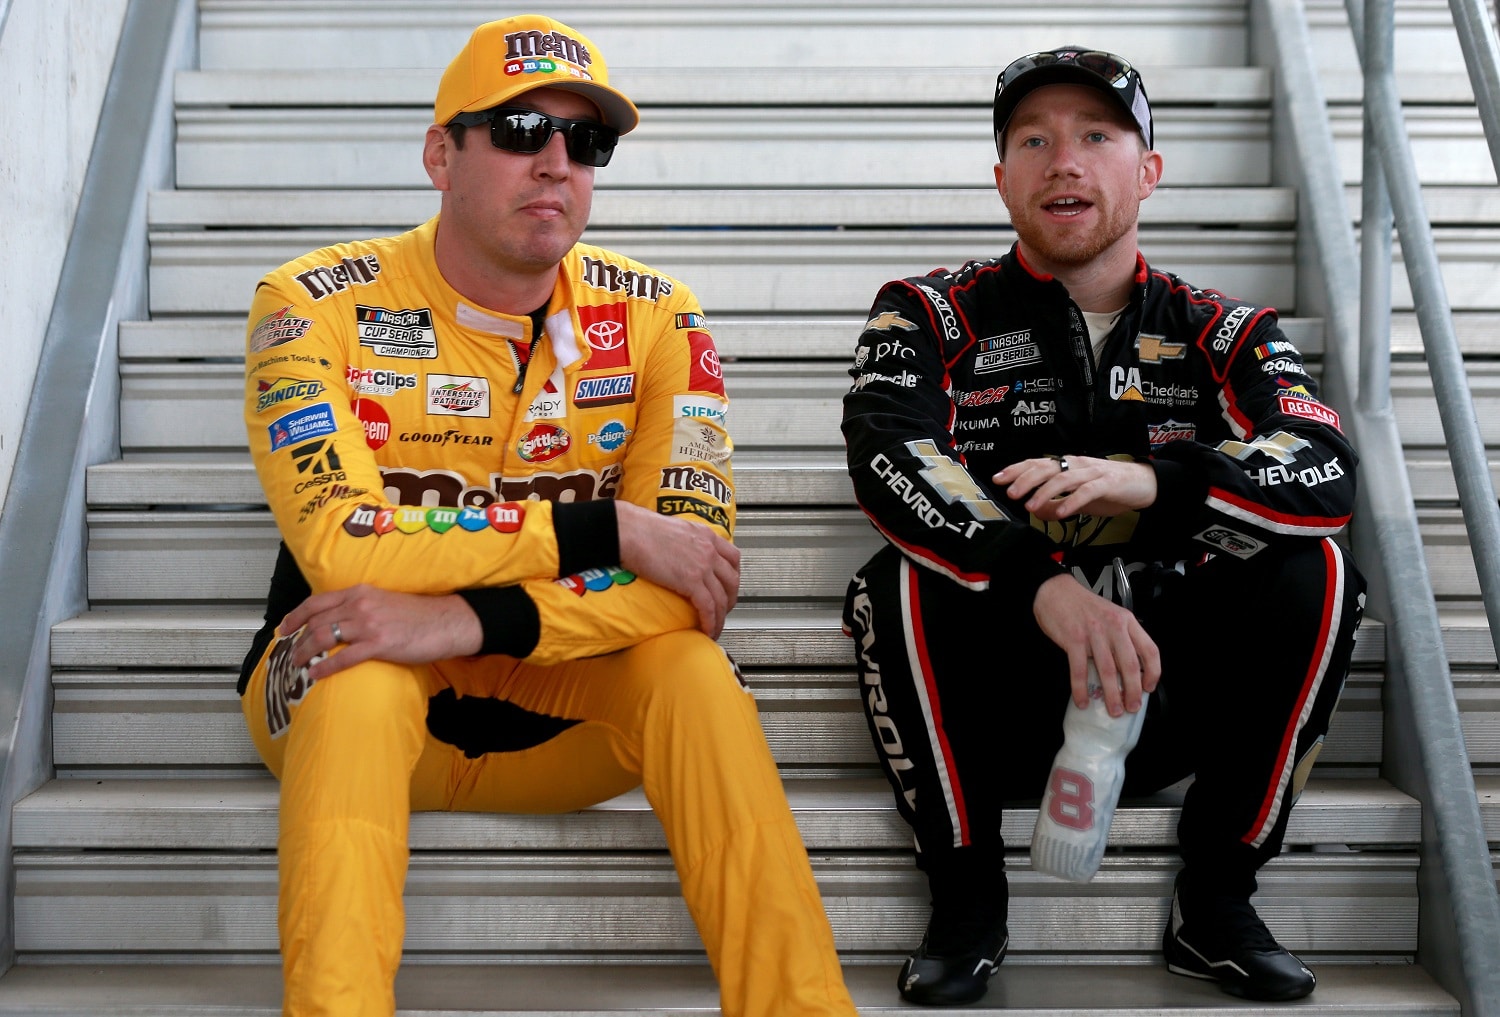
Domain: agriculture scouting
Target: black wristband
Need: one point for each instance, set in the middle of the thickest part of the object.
(588, 536)
(508, 617)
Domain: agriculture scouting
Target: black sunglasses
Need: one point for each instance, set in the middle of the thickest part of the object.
(1111, 68)
(527, 131)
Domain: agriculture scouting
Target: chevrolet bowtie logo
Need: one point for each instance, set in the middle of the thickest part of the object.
(1154, 350)
(887, 320)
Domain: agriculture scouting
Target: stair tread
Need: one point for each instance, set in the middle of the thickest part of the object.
(853, 813)
(605, 990)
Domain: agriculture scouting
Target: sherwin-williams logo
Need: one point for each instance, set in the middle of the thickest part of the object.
(311, 422)
(458, 395)
(285, 390)
(543, 443)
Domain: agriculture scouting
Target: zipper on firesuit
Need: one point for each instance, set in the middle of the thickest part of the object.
(1083, 355)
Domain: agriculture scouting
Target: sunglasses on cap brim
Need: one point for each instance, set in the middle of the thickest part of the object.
(1108, 66)
(527, 131)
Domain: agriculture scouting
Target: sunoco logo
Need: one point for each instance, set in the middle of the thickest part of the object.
(543, 443)
(285, 390)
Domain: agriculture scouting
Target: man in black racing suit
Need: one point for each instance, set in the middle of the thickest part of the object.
(1012, 429)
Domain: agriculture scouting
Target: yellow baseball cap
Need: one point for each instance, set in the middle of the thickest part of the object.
(505, 59)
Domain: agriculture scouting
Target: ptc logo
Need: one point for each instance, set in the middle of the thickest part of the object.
(316, 457)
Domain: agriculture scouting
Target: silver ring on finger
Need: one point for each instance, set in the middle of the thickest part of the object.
(1062, 465)
(338, 637)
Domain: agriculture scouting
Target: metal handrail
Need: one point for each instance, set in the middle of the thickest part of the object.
(1476, 37)
(1387, 143)
(75, 422)
(1424, 748)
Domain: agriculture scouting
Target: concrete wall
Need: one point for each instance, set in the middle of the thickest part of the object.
(55, 61)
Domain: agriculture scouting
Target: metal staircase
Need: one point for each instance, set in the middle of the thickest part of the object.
(791, 158)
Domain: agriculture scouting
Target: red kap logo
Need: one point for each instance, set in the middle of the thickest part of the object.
(543, 443)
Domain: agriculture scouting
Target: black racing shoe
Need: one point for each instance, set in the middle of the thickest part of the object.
(1224, 940)
(955, 961)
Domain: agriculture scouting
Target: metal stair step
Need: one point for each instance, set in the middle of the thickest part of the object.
(750, 145)
(774, 404)
(782, 635)
(762, 271)
(1332, 904)
(120, 723)
(766, 337)
(237, 35)
(762, 477)
(846, 814)
(650, 87)
(786, 553)
(366, 213)
(615, 988)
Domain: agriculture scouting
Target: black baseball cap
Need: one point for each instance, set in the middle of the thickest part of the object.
(1072, 65)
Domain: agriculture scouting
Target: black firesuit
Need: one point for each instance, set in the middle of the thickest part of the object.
(1235, 575)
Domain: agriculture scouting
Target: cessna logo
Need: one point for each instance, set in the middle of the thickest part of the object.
(317, 456)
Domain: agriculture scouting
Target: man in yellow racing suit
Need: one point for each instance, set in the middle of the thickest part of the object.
(498, 461)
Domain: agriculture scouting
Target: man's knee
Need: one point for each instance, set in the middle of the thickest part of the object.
(371, 700)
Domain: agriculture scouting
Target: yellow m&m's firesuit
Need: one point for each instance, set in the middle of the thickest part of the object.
(410, 440)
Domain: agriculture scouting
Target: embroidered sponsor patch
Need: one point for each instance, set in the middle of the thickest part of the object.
(1309, 410)
(543, 443)
(455, 395)
(310, 422)
(325, 280)
(596, 580)
(605, 390)
(270, 394)
(676, 505)
(1231, 541)
(1014, 349)
(277, 328)
(389, 332)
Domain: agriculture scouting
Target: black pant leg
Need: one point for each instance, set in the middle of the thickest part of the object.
(964, 702)
(1254, 657)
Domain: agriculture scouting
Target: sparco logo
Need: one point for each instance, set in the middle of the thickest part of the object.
(326, 280)
(945, 312)
(1225, 336)
(690, 478)
(603, 276)
(605, 335)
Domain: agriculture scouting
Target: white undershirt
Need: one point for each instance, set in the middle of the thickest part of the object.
(1100, 324)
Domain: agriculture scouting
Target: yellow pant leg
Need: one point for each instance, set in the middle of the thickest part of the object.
(344, 752)
(671, 714)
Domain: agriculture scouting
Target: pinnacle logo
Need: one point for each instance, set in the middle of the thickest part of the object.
(887, 320)
(1154, 349)
(316, 457)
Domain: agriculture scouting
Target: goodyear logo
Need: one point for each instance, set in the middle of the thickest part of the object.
(285, 390)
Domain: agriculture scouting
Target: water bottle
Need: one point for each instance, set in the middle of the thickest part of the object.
(1072, 825)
